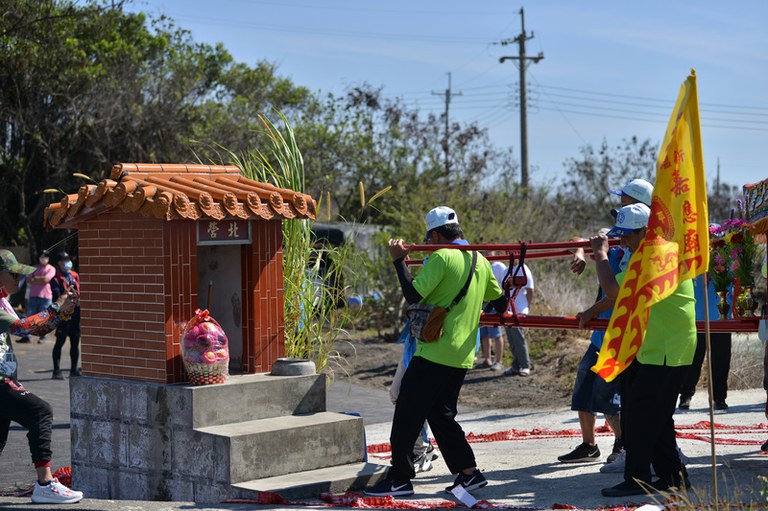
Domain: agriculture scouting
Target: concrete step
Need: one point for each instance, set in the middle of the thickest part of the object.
(312, 483)
(293, 443)
(253, 396)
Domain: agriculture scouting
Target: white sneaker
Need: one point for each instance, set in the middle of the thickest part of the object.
(55, 493)
(423, 463)
(616, 466)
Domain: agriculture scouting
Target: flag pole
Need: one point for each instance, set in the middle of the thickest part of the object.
(710, 390)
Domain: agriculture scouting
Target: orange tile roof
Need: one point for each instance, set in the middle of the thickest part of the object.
(174, 191)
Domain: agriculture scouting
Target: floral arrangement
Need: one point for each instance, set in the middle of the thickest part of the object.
(743, 256)
(719, 260)
(743, 248)
(733, 253)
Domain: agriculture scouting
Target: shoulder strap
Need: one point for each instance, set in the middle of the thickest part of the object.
(466, 284)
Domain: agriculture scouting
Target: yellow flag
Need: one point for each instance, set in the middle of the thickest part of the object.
(676, 246)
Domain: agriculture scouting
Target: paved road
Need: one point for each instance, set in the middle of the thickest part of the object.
(522, 472)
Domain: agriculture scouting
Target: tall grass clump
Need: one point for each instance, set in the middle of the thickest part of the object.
(282, 164)
(316, 276)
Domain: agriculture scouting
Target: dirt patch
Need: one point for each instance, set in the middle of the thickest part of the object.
(371, 360)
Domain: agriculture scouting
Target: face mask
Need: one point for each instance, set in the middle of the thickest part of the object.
(67, 265)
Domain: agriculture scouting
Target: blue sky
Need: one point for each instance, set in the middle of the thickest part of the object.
(611, 70)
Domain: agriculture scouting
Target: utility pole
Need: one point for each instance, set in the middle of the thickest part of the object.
(520, 40)
(717, 181)
(448, 96)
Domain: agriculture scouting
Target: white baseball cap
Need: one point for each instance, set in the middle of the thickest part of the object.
(440, 216)
(638, 189)
(630, 218)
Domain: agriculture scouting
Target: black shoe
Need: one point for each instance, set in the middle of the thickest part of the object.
(764, 447)
(388, 486)
(661, 485)
(720, 404)
(626, 489)
(23, 340)
(468, 482)
(57, 375)
(582, 454)
(685, 402)
(75, 373)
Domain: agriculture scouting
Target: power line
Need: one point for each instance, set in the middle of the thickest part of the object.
(346, 8)
(596, 104)
(645, 98)
(565, 117)
(304, 30)
(658, 121)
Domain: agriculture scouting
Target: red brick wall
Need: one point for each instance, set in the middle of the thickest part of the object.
(263, 307)
(180, 257)
(121, 263)
(139, 287)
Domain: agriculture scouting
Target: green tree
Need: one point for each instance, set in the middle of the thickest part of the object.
(363, 138)
(584, 189)
(721, 199)
(87, 85)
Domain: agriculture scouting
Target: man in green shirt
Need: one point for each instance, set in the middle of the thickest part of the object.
(650, 384)
(431, 384)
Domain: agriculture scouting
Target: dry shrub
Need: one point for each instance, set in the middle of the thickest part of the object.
(746, 362)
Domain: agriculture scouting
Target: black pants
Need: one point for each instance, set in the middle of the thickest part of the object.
(19, 405)
(721, 365)
(648, 399)
(66, 329)
(428, 391)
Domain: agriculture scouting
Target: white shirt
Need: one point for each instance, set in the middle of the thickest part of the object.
(521, 300)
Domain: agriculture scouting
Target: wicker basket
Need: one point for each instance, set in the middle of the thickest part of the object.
(206, 374)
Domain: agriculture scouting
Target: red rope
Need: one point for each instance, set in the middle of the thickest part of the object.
(64, 475)
(355, 500)
(539, 433)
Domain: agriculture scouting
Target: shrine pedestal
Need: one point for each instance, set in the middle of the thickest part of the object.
(144, 441)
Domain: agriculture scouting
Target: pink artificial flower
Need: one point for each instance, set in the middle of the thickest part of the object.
(716, 230)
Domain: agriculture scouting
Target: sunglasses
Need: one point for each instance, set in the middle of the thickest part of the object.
(15, 276)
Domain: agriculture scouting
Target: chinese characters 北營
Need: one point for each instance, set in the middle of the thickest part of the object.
(213, 229)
